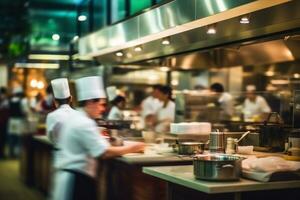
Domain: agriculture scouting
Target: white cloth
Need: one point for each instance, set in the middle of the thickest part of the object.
(150, 106)
(91, 87)
(259, 106)
(60, 88)
(115, 114)
(165, 116)
(226, 102)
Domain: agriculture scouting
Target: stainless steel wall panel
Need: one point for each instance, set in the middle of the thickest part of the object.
(167, 16)
(123, 32)
(205, 8)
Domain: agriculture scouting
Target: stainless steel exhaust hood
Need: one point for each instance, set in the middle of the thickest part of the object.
(187, 30)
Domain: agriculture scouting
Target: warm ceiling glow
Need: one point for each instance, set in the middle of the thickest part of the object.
(47, 57)
(165, 41)
(55, 37)
(296, 75)
(37, 65)
(82, 18)
(211, 30)
(270, 73)
(33, 83)
(40, 85)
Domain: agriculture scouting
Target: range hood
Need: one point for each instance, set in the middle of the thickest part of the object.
(268, 38)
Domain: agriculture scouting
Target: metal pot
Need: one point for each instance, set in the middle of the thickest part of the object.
(189, 148)
(217, 167)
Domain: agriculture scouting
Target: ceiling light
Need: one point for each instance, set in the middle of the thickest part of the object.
(119, 54)
(75, 38)
(37, 65)
(40, 85)
(211, 30)
(47, 57)
(55, 37)
(296, 75)
(165, 41)
(82, 18)
(33, 83)
(138, 49)
(245, 20)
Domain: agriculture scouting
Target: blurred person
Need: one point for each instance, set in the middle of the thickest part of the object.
(56, 119)
(254, 105)
(16, 122)
(81, 144)
(225, 100)
(115, 112)
(47, 103)
(150, 107)
(4, 115)
(166, 113)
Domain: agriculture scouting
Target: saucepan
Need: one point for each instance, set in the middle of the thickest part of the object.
(190, 148)
(217, 167)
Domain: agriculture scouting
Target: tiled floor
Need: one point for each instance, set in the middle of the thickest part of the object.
(11, 187)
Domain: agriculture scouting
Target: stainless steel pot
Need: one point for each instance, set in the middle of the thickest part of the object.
(217, 167)
(190, 148)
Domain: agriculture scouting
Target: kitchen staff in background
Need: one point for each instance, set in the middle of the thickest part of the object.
(56, 119)
(254, 105)
(166, 114)
(81, 144)
(225, 100)
(115, 112)
(150, 107)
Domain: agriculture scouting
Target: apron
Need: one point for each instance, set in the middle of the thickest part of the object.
(73, 185)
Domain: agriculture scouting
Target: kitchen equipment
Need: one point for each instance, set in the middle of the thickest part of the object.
(190, 148)
(217, 167)
(294, 143)
(273, 133)
(217, 142)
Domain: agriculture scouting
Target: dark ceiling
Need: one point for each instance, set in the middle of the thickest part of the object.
(31, 23)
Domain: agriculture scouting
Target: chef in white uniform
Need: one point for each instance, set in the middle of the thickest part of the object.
(56, 119)
(166, 114)
(118, 104)
(81, 144)
(150, 107)
(254, 105)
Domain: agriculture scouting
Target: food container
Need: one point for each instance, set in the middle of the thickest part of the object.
(190, 148)
(217, 167)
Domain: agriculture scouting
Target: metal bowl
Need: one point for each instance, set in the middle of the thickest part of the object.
(217, 167)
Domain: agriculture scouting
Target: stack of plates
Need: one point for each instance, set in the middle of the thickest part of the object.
(202, 128)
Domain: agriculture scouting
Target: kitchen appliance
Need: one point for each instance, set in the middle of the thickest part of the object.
(294, 143)
(217, 142)
(190, 148)
(217, 167)
(272, 133)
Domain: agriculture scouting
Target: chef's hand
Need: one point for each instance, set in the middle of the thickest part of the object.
(136, 147)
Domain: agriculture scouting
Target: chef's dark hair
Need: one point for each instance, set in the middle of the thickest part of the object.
(217, 87)
(157, 86)
(63, 101)
(166, 90)
(84, 102)
(117, 100)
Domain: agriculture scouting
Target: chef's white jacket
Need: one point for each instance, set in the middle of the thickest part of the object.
(259, 106)
(150, 106)
(226, 103)
(115, 114)
(80, 143)
(165, 116)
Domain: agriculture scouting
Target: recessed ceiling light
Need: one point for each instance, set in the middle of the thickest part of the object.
(55, 37)
(138, 48)
(245, 20)
(165, 41)
(119, 54)
(211, 30)
(82, 18)
(296, 75)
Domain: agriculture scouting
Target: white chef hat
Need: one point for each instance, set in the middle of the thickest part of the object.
(60, 87)
(90, 88)
(111, 92)
(250, 88)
